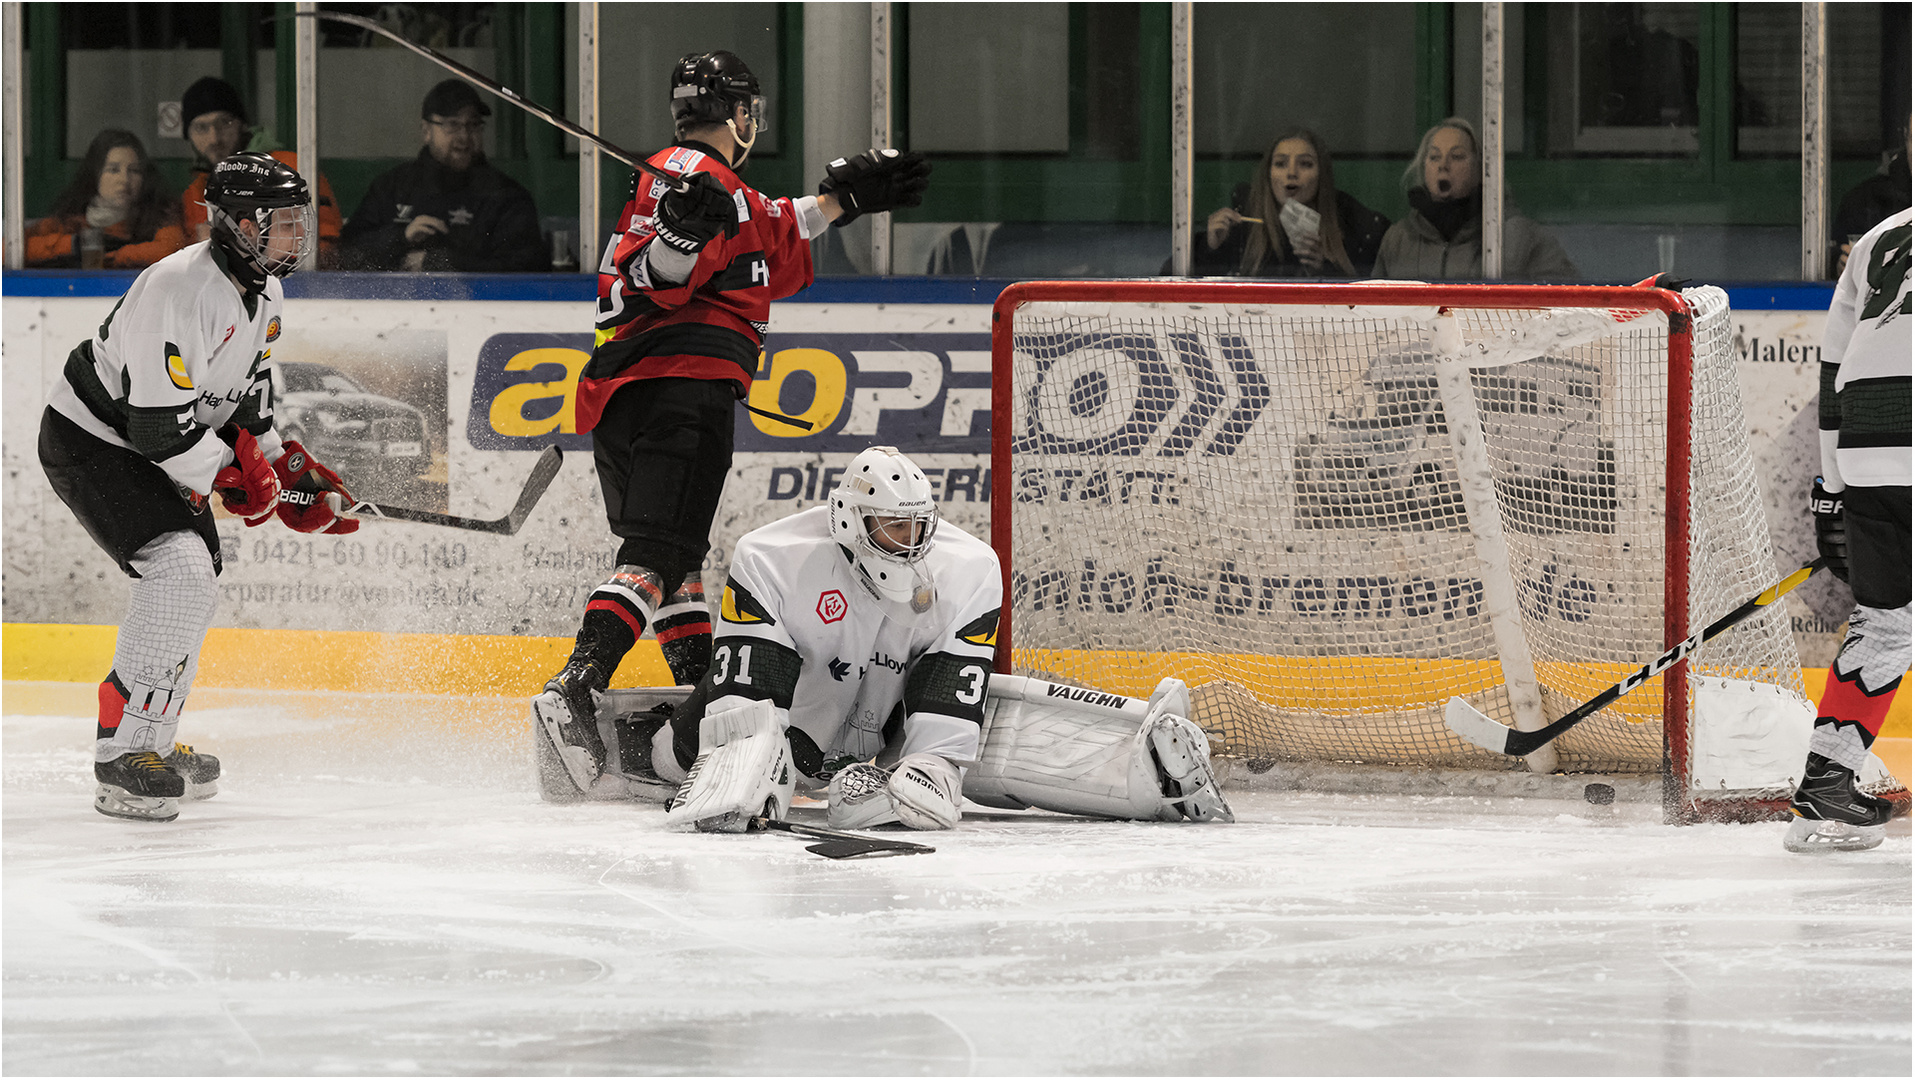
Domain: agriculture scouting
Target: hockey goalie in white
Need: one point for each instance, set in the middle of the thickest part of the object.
(853, 653)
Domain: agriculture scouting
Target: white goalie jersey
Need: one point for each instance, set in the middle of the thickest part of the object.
(855, 675)
(179, 357)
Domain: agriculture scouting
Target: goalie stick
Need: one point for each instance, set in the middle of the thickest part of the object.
(1470, 723)
(502, 91)
(543, 471)
(843, 845)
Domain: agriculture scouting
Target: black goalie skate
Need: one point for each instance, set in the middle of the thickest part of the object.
(200, 771)
(570, 750)
(139, 787)
(1830, 814)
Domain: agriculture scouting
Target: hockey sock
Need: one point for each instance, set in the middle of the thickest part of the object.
(157, 652)
(683, 629)
(616, 615)
(1862, 682)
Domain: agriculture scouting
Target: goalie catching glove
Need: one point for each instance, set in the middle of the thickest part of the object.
(249, 487)
(876, 181)
(305, 494)
(922, 792)
(688, 220)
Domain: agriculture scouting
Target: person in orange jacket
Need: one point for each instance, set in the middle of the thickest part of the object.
(218, 126)
(118, 192)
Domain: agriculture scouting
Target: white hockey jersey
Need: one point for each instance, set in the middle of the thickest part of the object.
(1864, 409)
(179, 357)
(798, 629)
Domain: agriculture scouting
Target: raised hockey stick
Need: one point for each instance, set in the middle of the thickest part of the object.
(499, 90)
(1467, 721)
(843, 845)
(543, 471)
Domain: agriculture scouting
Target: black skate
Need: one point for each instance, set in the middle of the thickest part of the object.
(1830, 814)
(200, 771)
(570, 751)
(139, 786)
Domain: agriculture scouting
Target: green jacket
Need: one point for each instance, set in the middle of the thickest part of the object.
(1414, 250)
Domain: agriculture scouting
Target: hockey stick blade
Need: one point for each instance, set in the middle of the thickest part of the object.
(543, 471)
(498, 90)
(1470, 724)
(844, 845)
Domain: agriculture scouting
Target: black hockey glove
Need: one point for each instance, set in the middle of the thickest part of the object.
(1831, 535)
(688, 220)
(876, 181)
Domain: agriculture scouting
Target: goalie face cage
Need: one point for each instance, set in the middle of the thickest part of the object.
(1330, 508)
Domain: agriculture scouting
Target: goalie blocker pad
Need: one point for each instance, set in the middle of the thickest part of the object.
(743, 771)
(1078, 751)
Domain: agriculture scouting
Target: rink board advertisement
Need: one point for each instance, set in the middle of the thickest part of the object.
(443, 405)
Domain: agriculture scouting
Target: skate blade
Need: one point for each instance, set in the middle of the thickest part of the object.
(1188, 770)
(117, 802)
(198, 792)
(1806, 837)
(550, 713)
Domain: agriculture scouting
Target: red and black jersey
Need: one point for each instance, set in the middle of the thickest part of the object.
(709, 327)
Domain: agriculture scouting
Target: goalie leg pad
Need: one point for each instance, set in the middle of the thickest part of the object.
(1077, 751)
(743, 770)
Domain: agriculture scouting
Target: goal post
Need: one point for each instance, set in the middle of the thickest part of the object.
(1330, 508)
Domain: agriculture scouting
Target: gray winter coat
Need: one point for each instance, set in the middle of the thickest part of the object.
(1414, 250)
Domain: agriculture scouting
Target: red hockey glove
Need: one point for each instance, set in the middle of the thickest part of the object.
(303, 484)
(248, 487)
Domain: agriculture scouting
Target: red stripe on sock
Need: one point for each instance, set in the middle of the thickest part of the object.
(618, 609)
(673, 633)
(1844, 699)
(112, 706)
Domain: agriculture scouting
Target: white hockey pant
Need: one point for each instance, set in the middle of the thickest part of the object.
(1078, 751)
(157, 652)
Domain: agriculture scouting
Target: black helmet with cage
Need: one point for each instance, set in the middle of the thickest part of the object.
(708, 87)
(251, 186)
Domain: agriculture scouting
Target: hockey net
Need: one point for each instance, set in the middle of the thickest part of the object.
(1268, 491)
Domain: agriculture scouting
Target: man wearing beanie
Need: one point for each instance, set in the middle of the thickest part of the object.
(218, 126)
(447, 209)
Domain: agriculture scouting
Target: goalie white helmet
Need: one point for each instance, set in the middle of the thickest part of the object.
(883, 516)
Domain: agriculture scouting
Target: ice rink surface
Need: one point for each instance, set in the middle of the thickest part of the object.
(379, 889)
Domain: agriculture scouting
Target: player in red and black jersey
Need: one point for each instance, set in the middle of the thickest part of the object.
(684, 296)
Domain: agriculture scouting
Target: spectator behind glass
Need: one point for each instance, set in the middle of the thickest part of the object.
(1870, 202)
(118, 192)
(447, 209)
(1333, 236)
(218, 126)
(1442, 236)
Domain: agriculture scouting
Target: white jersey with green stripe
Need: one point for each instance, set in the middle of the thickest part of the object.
(858, 677)
(180, 356)
(1864, 410)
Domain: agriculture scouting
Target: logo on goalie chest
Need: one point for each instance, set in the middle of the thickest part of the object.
(831, 606)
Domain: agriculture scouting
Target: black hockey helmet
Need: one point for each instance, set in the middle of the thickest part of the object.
(706, 87)
(251, 186)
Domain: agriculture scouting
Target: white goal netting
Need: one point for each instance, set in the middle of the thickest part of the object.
(1266, 502)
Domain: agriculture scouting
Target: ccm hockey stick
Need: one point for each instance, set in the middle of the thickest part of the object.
(1467, 721)
(499, 90)
(543, 471)
(843, 845)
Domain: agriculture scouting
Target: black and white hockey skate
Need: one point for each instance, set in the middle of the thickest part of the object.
(200, 771)
(1831, 815)
(139, 787)
(1181, 752)
(568, 747)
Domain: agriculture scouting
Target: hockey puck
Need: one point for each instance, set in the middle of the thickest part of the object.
(1600, 794)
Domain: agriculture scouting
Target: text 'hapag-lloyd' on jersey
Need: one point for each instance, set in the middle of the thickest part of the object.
(922, 393)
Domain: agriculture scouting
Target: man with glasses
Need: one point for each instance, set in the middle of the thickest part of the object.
(218, 126)
(447, 209)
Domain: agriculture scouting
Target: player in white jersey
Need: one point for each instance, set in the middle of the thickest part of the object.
(168, 402)
(1861, 509)
(853, 650)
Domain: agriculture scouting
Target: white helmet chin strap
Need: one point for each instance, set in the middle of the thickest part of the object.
(744, 145)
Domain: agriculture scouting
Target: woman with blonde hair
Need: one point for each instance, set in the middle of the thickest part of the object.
(1441, 239)
(1291, 221)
